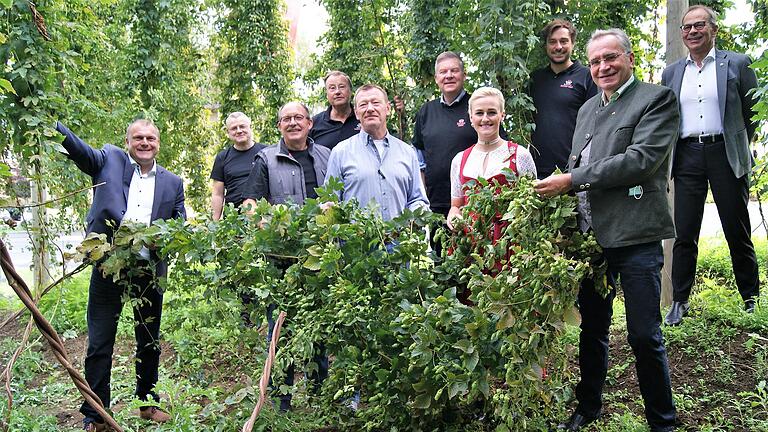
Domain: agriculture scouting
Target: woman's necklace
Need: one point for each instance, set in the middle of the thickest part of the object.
(489, 146)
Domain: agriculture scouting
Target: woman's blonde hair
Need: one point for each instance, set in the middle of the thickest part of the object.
(487, 92)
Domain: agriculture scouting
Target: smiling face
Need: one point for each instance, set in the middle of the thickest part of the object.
(450, 77)
(337, 91)
(372, 108)
(699, 42)
(486, 115)
(239, 131)
(611, 74)
(559, 46)
(143, 143)
(294, 125)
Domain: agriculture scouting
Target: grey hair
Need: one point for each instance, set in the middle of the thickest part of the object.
(447, 55)
(338, 73)
(712, 14)
(619, 34)
(236, 115)
(280, 111)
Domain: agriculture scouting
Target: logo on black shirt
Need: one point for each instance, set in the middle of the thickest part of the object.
(460, 123)
(567, 84)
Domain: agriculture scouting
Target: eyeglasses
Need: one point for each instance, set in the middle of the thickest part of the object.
(332, 88)
(298, 118)
(608, 58)
(698, 25)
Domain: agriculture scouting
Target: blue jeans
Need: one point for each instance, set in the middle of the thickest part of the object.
(637, 268)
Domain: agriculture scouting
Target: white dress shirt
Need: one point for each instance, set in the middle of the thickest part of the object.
(141, 196)
(699, 106)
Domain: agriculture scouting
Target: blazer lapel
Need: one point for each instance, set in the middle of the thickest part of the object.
(158, 193)
(128, 170)
(721, 70)
(677, 77)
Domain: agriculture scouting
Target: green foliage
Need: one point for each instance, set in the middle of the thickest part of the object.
(255, 74)
(387, 316)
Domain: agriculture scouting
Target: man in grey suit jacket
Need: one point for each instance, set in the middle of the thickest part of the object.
(713, 147)
(137, 189)
(618, 168)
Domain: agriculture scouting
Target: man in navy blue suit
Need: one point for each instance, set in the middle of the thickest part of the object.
(136, 189)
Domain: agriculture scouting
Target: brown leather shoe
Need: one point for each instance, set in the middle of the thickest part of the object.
(154, 414)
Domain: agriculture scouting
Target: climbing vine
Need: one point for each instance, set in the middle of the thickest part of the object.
(255, 75)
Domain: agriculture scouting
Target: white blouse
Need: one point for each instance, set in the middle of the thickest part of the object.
(498, 159)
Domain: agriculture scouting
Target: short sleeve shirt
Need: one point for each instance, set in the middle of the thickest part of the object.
(232, 167)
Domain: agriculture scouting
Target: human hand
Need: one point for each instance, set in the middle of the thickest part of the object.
(556, 184)
(399, 104)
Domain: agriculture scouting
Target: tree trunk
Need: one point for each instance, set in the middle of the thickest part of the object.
(674, 50)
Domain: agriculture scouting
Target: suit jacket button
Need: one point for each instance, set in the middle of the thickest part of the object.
(122, 212)
(573, 158)
(581, 187)
(586, 185)
(586, 136)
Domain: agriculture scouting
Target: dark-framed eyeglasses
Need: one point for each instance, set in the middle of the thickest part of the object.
(698, 25)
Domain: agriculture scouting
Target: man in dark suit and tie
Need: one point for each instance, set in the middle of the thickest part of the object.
(716, 129)
(136, 189)
(618, 169)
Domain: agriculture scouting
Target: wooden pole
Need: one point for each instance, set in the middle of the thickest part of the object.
(674, 50)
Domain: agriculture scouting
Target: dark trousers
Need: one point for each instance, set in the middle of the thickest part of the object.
(321, 359)
(105, 302)
(637, 268)
(696, 166)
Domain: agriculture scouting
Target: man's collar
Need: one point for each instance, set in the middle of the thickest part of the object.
(573, 65)
(617, 94)
(369, 139)
(283, 149)
(455, 101)
(710, 54)
(136, 165)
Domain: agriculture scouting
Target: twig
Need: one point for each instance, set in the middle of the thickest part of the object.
(61, 197)
(264, 382)
(53, 338)
(16, 314)
(9, 369)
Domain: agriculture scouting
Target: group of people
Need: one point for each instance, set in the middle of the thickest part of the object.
(611, 137)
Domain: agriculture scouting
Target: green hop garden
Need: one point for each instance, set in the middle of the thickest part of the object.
(383, 305)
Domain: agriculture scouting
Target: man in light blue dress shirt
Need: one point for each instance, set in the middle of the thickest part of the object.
(377, 169)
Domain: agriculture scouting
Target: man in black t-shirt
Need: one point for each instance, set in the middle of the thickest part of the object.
(338, 122)
(558, 91)
(233, 164)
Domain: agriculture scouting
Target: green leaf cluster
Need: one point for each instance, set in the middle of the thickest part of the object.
(388, 316)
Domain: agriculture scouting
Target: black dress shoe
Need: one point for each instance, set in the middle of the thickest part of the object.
(676, 313)
(576, 422)
(749, 306)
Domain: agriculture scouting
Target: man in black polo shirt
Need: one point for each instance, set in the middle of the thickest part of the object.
(338, 122)
(558, 91)
(443, 129)
(233, 164)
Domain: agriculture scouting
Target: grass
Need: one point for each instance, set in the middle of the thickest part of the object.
(211, 363)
